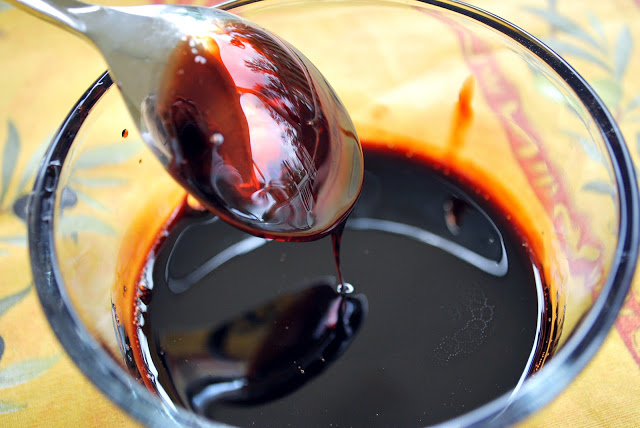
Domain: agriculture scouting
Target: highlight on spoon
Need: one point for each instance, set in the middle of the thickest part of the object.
(253, 130)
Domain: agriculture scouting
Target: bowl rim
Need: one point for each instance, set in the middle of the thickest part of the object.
(117, 385)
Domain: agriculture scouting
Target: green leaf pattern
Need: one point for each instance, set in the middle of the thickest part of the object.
(4, 6)
(589, 43)
(7, 302)
(82, 184)
(91, 201)
(596, 25)
(24, 371)
(15, 183)
(29, 170)
(17, 240)
(97, 182)
(633, 104)
(566, 25)
(9, 158)
(82, 180)
(569, 49)
(108, 154)
(624, 45)
(8, 407)
(602, 187)
(70, 224)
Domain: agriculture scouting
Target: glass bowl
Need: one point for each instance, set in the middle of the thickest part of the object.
(440, 79)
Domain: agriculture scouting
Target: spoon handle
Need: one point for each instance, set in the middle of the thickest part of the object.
(61, 13)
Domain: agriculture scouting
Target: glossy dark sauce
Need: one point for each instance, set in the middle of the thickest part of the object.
(456, 310)
(254, 133)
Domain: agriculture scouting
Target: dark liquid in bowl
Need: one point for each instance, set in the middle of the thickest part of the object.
(449, 310)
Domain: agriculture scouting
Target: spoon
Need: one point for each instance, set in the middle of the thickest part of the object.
(240, 118)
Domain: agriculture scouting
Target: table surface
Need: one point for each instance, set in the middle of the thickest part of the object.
(44, 70)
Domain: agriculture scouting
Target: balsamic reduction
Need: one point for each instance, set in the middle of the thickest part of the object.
(456, 310)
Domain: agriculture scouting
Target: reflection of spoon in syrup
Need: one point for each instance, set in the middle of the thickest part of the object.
(268, 352)
(239, 117)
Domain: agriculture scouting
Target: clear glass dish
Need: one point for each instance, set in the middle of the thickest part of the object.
(555, 154)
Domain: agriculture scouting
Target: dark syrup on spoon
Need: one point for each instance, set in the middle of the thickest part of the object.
(255, 133)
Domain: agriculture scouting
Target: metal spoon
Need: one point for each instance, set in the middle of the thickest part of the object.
(239, 117)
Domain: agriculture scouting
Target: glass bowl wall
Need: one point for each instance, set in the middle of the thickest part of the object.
(537, 134)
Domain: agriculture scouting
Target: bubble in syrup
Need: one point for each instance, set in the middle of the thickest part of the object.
(217, 138)
(194, 203)
(345, 288)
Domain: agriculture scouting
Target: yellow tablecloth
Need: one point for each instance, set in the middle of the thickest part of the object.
(44, 70)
